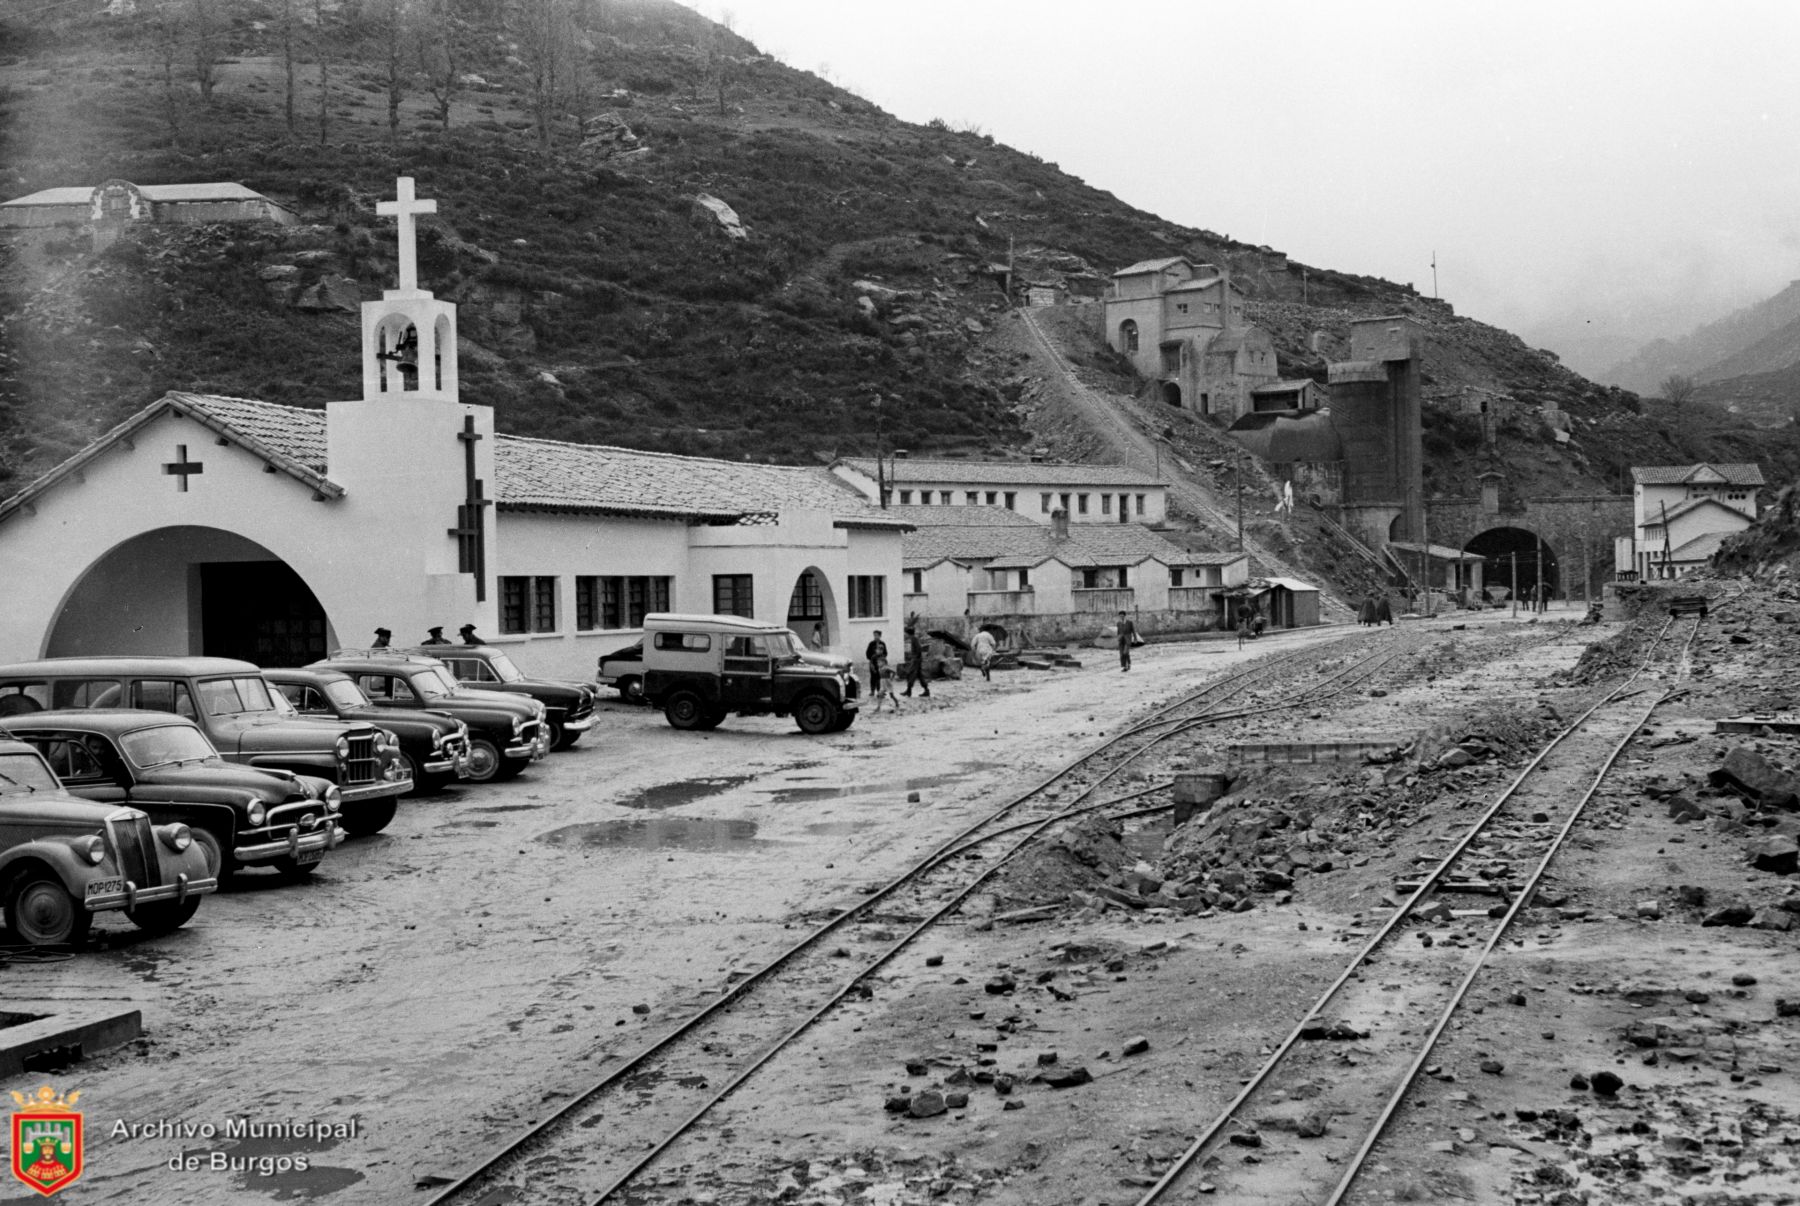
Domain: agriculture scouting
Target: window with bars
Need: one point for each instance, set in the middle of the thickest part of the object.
(527, 604)
(619, 602)
(733, 595)
(868, 596)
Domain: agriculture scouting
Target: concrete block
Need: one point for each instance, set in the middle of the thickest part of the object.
(54, 1025)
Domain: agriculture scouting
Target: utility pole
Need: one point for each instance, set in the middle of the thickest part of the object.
(1514, 558)
(1425, 539)
(1434, 291)
(1542, 599)
(1240, 501)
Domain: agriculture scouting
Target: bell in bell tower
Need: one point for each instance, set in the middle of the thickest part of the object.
(409, 337)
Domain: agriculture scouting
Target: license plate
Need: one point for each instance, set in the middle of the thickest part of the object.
(304, 857)
(105, 887)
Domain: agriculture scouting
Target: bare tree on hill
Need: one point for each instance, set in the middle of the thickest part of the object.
(287, 59)
(441, 47)
(1677, 389)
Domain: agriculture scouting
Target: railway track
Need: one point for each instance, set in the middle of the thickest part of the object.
(591, 1148)
(1395, 999)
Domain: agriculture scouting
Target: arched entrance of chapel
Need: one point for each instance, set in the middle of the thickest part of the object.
(192, 590)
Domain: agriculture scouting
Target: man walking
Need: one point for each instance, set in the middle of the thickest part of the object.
(915, 664)
(876, 654)
(1128, 636)
(983, 650)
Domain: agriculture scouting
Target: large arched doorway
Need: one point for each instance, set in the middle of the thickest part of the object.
(811, 605)
(1171, 394)
(1512, 555)
(192, 590)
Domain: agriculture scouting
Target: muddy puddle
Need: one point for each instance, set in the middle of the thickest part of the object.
(665, 796)
(700, 834)
(797, 795)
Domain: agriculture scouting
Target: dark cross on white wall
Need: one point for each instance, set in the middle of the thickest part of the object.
(183, 468)
(470, 533)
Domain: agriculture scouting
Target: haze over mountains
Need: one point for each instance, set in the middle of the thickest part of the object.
(1745, 360)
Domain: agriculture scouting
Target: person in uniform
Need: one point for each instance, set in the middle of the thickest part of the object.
(435, 636)
(915, 664)
(469, 636)
(382, 636)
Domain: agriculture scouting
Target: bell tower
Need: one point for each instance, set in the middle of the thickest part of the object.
(416, 462)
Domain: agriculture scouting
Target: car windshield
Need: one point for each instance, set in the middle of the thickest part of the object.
(234, 696)
(504, 668)
(165, 744)
(433, 682)
(23, 773)
(346, 694)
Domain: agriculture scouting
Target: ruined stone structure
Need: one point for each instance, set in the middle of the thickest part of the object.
(1182, 326)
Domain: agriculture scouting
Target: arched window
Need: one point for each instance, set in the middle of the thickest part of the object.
(1128, 336)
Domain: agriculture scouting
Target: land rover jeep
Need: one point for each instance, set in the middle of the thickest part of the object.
(698, 669)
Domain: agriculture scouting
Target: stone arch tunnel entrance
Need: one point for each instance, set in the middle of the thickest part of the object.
(1171, 394)
(1506, 551)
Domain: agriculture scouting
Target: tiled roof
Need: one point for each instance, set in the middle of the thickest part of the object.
(1010, 546)
(961, 517)
(1687, 505)
(909, 472)
(81, 194)
(1151, 265)
(536, 475)
(1675, 475)
(1282, 387)
(1701, 547)
(550, 474)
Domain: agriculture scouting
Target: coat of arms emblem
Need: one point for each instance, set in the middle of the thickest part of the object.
(46, 1140)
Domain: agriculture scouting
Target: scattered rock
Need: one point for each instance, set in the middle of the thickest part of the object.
(1607, 1084)
(1136, 1045)
(1066, 1078)
(1776, 854)
(1737, 913)
(928, 1103)
(1311, 1126)
(1492, 1067)
(1246, 1139)
(1743, 980)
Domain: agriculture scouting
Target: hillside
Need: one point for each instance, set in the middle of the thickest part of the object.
(856, 306)
(1758, 339)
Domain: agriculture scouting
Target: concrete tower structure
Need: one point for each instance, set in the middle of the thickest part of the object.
(1375, 407)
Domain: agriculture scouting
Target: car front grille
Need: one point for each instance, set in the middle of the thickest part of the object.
(528, 732)
(134, 843)
(361, 766)
(455, 746)
(305, 815)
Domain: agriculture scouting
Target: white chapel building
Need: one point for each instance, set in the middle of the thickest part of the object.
(241, 528)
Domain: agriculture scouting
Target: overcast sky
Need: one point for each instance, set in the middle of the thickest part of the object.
(1583, 170)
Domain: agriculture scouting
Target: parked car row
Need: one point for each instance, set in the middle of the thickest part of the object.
(140, 783)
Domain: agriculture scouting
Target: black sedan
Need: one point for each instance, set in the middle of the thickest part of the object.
(434, 744)
(568, 706)
(241, 816)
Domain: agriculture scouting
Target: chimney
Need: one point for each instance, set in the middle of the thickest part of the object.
(899, 454)
(1059, 525)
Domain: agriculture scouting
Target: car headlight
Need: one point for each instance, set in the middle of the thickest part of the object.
(334, 799)
(95, 850)
(343, 747)
(176, 837)
(256, 813)
(437, 739)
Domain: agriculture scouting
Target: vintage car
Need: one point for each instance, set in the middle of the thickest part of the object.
(568, 706)
(698, 669)
(623, 671)
(434, 745)
(240, 816)
(506, 732)
(63, 859)
(236, 710)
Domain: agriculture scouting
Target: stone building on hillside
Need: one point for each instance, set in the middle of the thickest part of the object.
(1182, 326)
(120, 201)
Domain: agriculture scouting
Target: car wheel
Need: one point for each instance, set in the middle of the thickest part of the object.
(368, 816)
(413, 772)
(713, 719)
(816, 714)
(631, 689)
(484, 760)
(845, 720)
(40, 912)
(685, 710)
(165, 916)
(210, 845)
(565, 740)
(511, 768)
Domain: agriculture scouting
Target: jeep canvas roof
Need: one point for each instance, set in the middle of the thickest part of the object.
(669, 619)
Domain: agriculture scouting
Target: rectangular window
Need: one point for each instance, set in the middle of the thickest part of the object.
(1140, 502)
(1011, 499)
(527, 605)
(1044, 503)
(868, 596)
(906, 498)
(587, 603)
(1024, 579)
(1081, 503)
(1090, 579)
(1064, 499)
(918, 581)
(1106, 504)
(925, 497)
(733, 595)
(993, 496)
(684, 642)
(971, 497)
(624, 602)
(1174, 575)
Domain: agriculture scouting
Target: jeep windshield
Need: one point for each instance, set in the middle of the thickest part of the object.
(21, 774)
(503, 668)
(782, 647)
(166, 745)
(234, 696)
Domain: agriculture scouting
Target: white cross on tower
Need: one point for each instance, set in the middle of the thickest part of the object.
(404, 208)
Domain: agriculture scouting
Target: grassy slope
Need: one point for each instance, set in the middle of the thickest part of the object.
(601, 308)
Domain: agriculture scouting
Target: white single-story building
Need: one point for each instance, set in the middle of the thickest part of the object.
(1682, 513)
(242, 528)
(1087, 494)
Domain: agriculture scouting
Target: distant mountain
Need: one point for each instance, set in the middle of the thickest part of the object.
(1763, 338)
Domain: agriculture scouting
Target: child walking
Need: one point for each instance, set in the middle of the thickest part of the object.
(884, 684)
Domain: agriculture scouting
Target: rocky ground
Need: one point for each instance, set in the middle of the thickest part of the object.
(449, 981)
